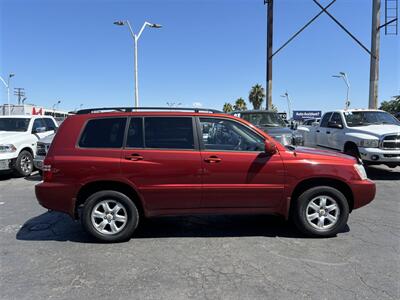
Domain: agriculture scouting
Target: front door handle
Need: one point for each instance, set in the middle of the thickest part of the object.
(212, 159)
(317, 130)
(134, 157)
(328, 132)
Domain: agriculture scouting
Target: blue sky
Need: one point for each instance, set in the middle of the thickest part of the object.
(209, 52)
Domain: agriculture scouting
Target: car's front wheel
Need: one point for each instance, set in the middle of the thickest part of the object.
(24, 164)
(321, 211)
(110, 216)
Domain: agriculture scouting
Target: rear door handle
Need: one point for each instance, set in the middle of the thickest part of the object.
(212, 159)
(134, 157)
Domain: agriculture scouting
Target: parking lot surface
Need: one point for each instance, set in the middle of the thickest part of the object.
(47, 255)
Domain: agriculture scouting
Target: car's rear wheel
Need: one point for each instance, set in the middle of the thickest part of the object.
(321, 211)
(110, 216)
(24, 164)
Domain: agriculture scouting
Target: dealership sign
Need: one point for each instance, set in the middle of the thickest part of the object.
(306, 114)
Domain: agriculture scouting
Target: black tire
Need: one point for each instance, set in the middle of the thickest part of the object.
(24, 164)
(302, 209)
(130, 211)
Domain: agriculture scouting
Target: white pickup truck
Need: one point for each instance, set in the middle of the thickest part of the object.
(18, 137)
(371, 135)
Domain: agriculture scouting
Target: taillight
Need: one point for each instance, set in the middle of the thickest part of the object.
(47, 173)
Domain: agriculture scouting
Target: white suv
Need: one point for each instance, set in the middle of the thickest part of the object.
(18, 137)
(371, 135)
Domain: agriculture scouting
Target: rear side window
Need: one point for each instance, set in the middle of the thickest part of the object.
(325, 119)
(135, 133)
(169, 132)
(103, 133)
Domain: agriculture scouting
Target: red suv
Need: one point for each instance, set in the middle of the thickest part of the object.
(113, 168)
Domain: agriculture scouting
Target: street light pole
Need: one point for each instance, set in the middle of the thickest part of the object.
(289, 103)
(135, 46)
(343, 75)
(7, 85)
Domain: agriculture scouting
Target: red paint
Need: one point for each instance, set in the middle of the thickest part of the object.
(191, 181)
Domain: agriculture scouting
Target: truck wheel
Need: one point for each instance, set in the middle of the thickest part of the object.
(110, 216)
(321, 211)
(24, 164)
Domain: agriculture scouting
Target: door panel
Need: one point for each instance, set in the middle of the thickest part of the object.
(237, 172)
(242, 179)
(166, 179)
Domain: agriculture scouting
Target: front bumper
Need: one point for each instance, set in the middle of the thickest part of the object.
(380, 156)
(363, 192)
(7, 161)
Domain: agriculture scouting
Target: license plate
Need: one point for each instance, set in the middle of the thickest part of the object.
(4, 164)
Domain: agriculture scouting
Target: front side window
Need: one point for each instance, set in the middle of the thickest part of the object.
(227, 135)
(50, 124)
(103, 133)
(325, 119)
(38, 123)
(14, 124)
(169, 132)
(336, 119)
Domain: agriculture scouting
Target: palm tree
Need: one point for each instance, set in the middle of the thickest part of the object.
(240, 104)
(256, 96)
(227, 107)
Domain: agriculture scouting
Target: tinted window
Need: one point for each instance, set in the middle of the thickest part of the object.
(336, 119)
(365, 118)
(38, 123)
(14, 124)
(169, 133)
(103, 133)
(49, 124)
(221, 134)
(135, 133)
(325, 119)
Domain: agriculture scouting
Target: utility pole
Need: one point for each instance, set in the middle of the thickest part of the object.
(374, 66)
(270, 24)
(20, 93)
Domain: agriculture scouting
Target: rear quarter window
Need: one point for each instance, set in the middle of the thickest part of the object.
(103, 133)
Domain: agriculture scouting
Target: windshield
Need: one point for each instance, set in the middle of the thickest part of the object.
(14, 124)
(365, 118)
(266, 119)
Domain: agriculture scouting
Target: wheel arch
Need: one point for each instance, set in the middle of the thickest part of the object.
(27, 148)
(95, 186)
(349, 144)
(306, 184)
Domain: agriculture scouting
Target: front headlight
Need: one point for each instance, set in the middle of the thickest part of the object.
(7, 148)
(369, 143)
(361, 171)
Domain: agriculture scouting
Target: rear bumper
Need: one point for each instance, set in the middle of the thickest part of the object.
(56, 196)
(363, 192)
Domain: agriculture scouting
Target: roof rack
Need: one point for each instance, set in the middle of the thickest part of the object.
(132, 109)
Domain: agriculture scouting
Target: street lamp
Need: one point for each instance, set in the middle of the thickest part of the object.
(56, 104)
(346, 81)
(7, 85)
(289, 103)
(135, 40)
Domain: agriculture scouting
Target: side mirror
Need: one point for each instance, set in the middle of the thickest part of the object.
(39, 130)
(335, 125)
(270, 147)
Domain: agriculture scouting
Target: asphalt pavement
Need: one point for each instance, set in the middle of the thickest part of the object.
(47, 255)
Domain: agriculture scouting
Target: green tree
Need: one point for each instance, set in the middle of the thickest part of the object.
(240, 104)
(227, 107)
(391, 106)
(256, 96)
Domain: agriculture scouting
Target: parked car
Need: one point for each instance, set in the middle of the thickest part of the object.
(271, 123)
(18, 137)
(370, 135)
(311, 122)
(42, 147)
(111, 169)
